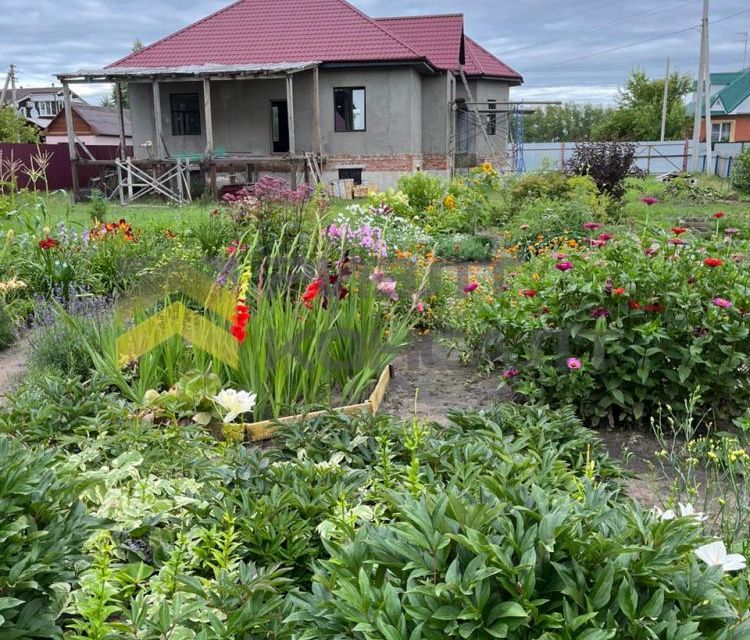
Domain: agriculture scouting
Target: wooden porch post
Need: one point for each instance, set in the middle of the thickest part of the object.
(121, 116)
(72, 152)
(209, 117)
(316, 112)
(290, 121)
(159, 142)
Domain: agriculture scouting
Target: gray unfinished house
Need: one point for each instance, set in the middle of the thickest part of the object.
(315, 86)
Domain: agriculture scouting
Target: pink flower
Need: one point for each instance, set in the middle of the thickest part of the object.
(597, 243)
(721, 302)
(420, 307)
(473, 286)
(591, 226)
(605, 237)
(564, 266)
(560, 256)
(388, 287)
(574, 364)
(677, 242)
(730, 231)
(511, 373)
(649, 200)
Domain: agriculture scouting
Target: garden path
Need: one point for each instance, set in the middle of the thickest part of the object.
(12, 365)
(443, 383)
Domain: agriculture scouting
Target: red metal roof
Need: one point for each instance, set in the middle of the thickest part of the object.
(438, 38)
(480, 62)
(260, 31)
(276, 31)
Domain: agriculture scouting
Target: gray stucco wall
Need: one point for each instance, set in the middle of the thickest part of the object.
(483, 91)
(434, 108)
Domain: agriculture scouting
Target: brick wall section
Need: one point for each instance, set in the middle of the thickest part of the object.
(405, 163)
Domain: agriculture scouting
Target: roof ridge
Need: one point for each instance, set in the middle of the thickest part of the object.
(231, 5)
(420, 17)
(374, 23)
(489, 53)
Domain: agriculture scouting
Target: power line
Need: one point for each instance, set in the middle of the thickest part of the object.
(575, 34)
(635, 44)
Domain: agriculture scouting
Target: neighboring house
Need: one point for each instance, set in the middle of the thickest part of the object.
(730, 107)
(91, 125)
(265, 79)
(41, 104)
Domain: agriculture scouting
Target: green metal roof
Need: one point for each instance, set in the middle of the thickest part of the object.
(735, 90)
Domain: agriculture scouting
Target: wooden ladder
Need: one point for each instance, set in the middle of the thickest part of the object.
(312, 164)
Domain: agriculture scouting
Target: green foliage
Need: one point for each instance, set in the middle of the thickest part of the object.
(539, 184)
(639, 110)
(649, 321)
(741, 172)
(14, 128)
(97, 207)
(462, 247)
(7, 327)
(43, 526)
(564, 123)
(422, 189)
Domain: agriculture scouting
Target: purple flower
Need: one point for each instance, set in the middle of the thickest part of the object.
(472, 286)
(564, 266)
(600, 312)
(574, 364)
(721, 302)
(649, 200)
(388, 288)
(511, 373)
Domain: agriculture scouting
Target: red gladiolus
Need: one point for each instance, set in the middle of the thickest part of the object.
(48, 243)
(312, 292)
(719, 214)
(678, 231)
(713, 262)
(239, 333)
(528, 293)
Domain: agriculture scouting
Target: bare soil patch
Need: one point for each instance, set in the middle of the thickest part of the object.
(12, 365)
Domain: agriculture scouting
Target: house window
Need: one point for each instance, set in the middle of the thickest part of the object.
(351, 174)
(491, 118)
(186, 114)
(349, 108)
(721, 131)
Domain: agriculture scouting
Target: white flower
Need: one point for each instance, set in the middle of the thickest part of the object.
(715, 554)
(669, 514)
(687, 511)
(235, 402)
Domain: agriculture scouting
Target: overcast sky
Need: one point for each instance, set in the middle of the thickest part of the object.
(578, 50)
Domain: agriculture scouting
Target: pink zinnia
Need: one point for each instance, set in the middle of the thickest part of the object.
(560, 256)
(597, 243)
(564, 266)
(678, 242)
(473, 286)
(510, 373)
(649, 200)
(574, 364)
(591, 226)
(605, 237)
(721, 302)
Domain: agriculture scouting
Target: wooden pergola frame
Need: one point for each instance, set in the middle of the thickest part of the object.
(201, 73)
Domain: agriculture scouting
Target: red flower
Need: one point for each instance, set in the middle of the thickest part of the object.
(528, 293)
(678, 231)
(678, 242)
(605, 237)
(564, 266)
(713, 262)
(48, 243)
(618, 291)
(656, 307)
(471, 287)
(634, 305)
(649, 200)
(719, 214)
(239, 332)
(600, 312)
(312, 292)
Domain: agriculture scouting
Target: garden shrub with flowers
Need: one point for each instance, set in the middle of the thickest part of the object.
(624, 324)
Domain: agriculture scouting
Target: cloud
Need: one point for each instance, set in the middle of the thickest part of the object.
(562, 49)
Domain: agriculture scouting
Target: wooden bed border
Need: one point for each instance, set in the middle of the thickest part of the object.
(260, 431)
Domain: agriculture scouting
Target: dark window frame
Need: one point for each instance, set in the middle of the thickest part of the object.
(181, 121)
(351, 173)
(351, 91)
(491, 118)
(724, 126)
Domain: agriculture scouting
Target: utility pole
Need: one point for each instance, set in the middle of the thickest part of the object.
(707, 94)
(698, 100)
(744, 36)
(664, 103)
(12, 72)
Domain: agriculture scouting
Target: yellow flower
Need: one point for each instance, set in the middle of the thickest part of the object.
(487, 167)
(449, 202)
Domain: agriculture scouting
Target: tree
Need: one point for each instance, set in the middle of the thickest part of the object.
(566, 123)
(111, 99)
(639, 108)
(14, 128)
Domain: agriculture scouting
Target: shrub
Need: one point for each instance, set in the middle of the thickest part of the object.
(7, 327)
(649, 322)
(541, 184)
(464, 248)
(97, 206)
(43, 526)
(608, 163)
(397, 201)
(422, 189)
(741, 172)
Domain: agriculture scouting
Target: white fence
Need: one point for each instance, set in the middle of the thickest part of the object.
(652, 157)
